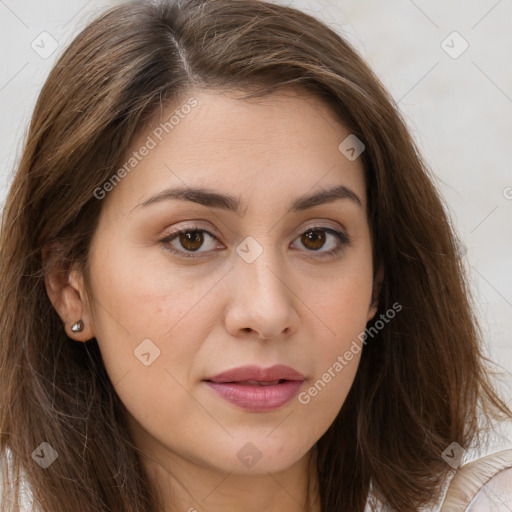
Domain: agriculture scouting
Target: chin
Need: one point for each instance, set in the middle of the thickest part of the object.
(257, 457)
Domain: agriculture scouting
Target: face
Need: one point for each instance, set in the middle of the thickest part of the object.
(260, 276)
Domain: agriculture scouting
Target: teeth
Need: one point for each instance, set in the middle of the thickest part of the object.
(256, 383)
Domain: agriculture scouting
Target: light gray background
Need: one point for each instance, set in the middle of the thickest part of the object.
(459, 110)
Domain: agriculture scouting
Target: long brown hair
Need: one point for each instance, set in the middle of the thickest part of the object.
(422, 380)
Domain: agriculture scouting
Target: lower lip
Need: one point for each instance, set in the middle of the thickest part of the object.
(257, 398)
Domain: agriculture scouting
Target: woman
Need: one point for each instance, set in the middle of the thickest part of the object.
(228, 281)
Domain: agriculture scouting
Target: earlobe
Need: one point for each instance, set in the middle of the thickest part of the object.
(372, 310)
(66, 293)
(377, 286)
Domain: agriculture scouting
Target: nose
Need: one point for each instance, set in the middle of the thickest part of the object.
(262, 301)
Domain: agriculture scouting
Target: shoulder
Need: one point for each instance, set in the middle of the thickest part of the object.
(482, 485)
(495, 495)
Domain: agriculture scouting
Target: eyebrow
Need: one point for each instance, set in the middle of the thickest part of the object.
(211, 198)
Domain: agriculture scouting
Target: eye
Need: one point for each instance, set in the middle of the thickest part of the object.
(186, 242)
(191, 239)
(317, 238)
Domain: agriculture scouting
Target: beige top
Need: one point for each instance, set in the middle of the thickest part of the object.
(483, 485)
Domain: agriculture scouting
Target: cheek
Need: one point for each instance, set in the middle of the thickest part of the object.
(133, 294)
(343, 308)
(336, 353)
(325, 394)
(144, 324)
(343, 301)
(146, 307)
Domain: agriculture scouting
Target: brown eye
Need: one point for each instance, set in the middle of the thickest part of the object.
(186, 242)
(191, 240)
(329, 240)
(313, 239)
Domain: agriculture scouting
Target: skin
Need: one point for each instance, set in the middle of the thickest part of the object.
(217, 312)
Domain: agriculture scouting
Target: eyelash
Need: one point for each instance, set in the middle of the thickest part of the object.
(342, 238)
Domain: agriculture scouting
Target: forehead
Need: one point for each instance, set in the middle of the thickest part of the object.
(288, 141)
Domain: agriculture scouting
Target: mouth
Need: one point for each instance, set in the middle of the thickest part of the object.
(259, 397)
(254, 389)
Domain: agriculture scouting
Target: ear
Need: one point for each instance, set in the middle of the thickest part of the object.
(377, 286)
(66, 291)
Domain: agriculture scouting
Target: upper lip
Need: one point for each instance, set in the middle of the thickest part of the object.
(258, 374)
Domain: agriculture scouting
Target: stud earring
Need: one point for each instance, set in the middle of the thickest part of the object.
(78, 326)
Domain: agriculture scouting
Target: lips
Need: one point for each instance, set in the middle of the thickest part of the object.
(256, 389)
(255, 374)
